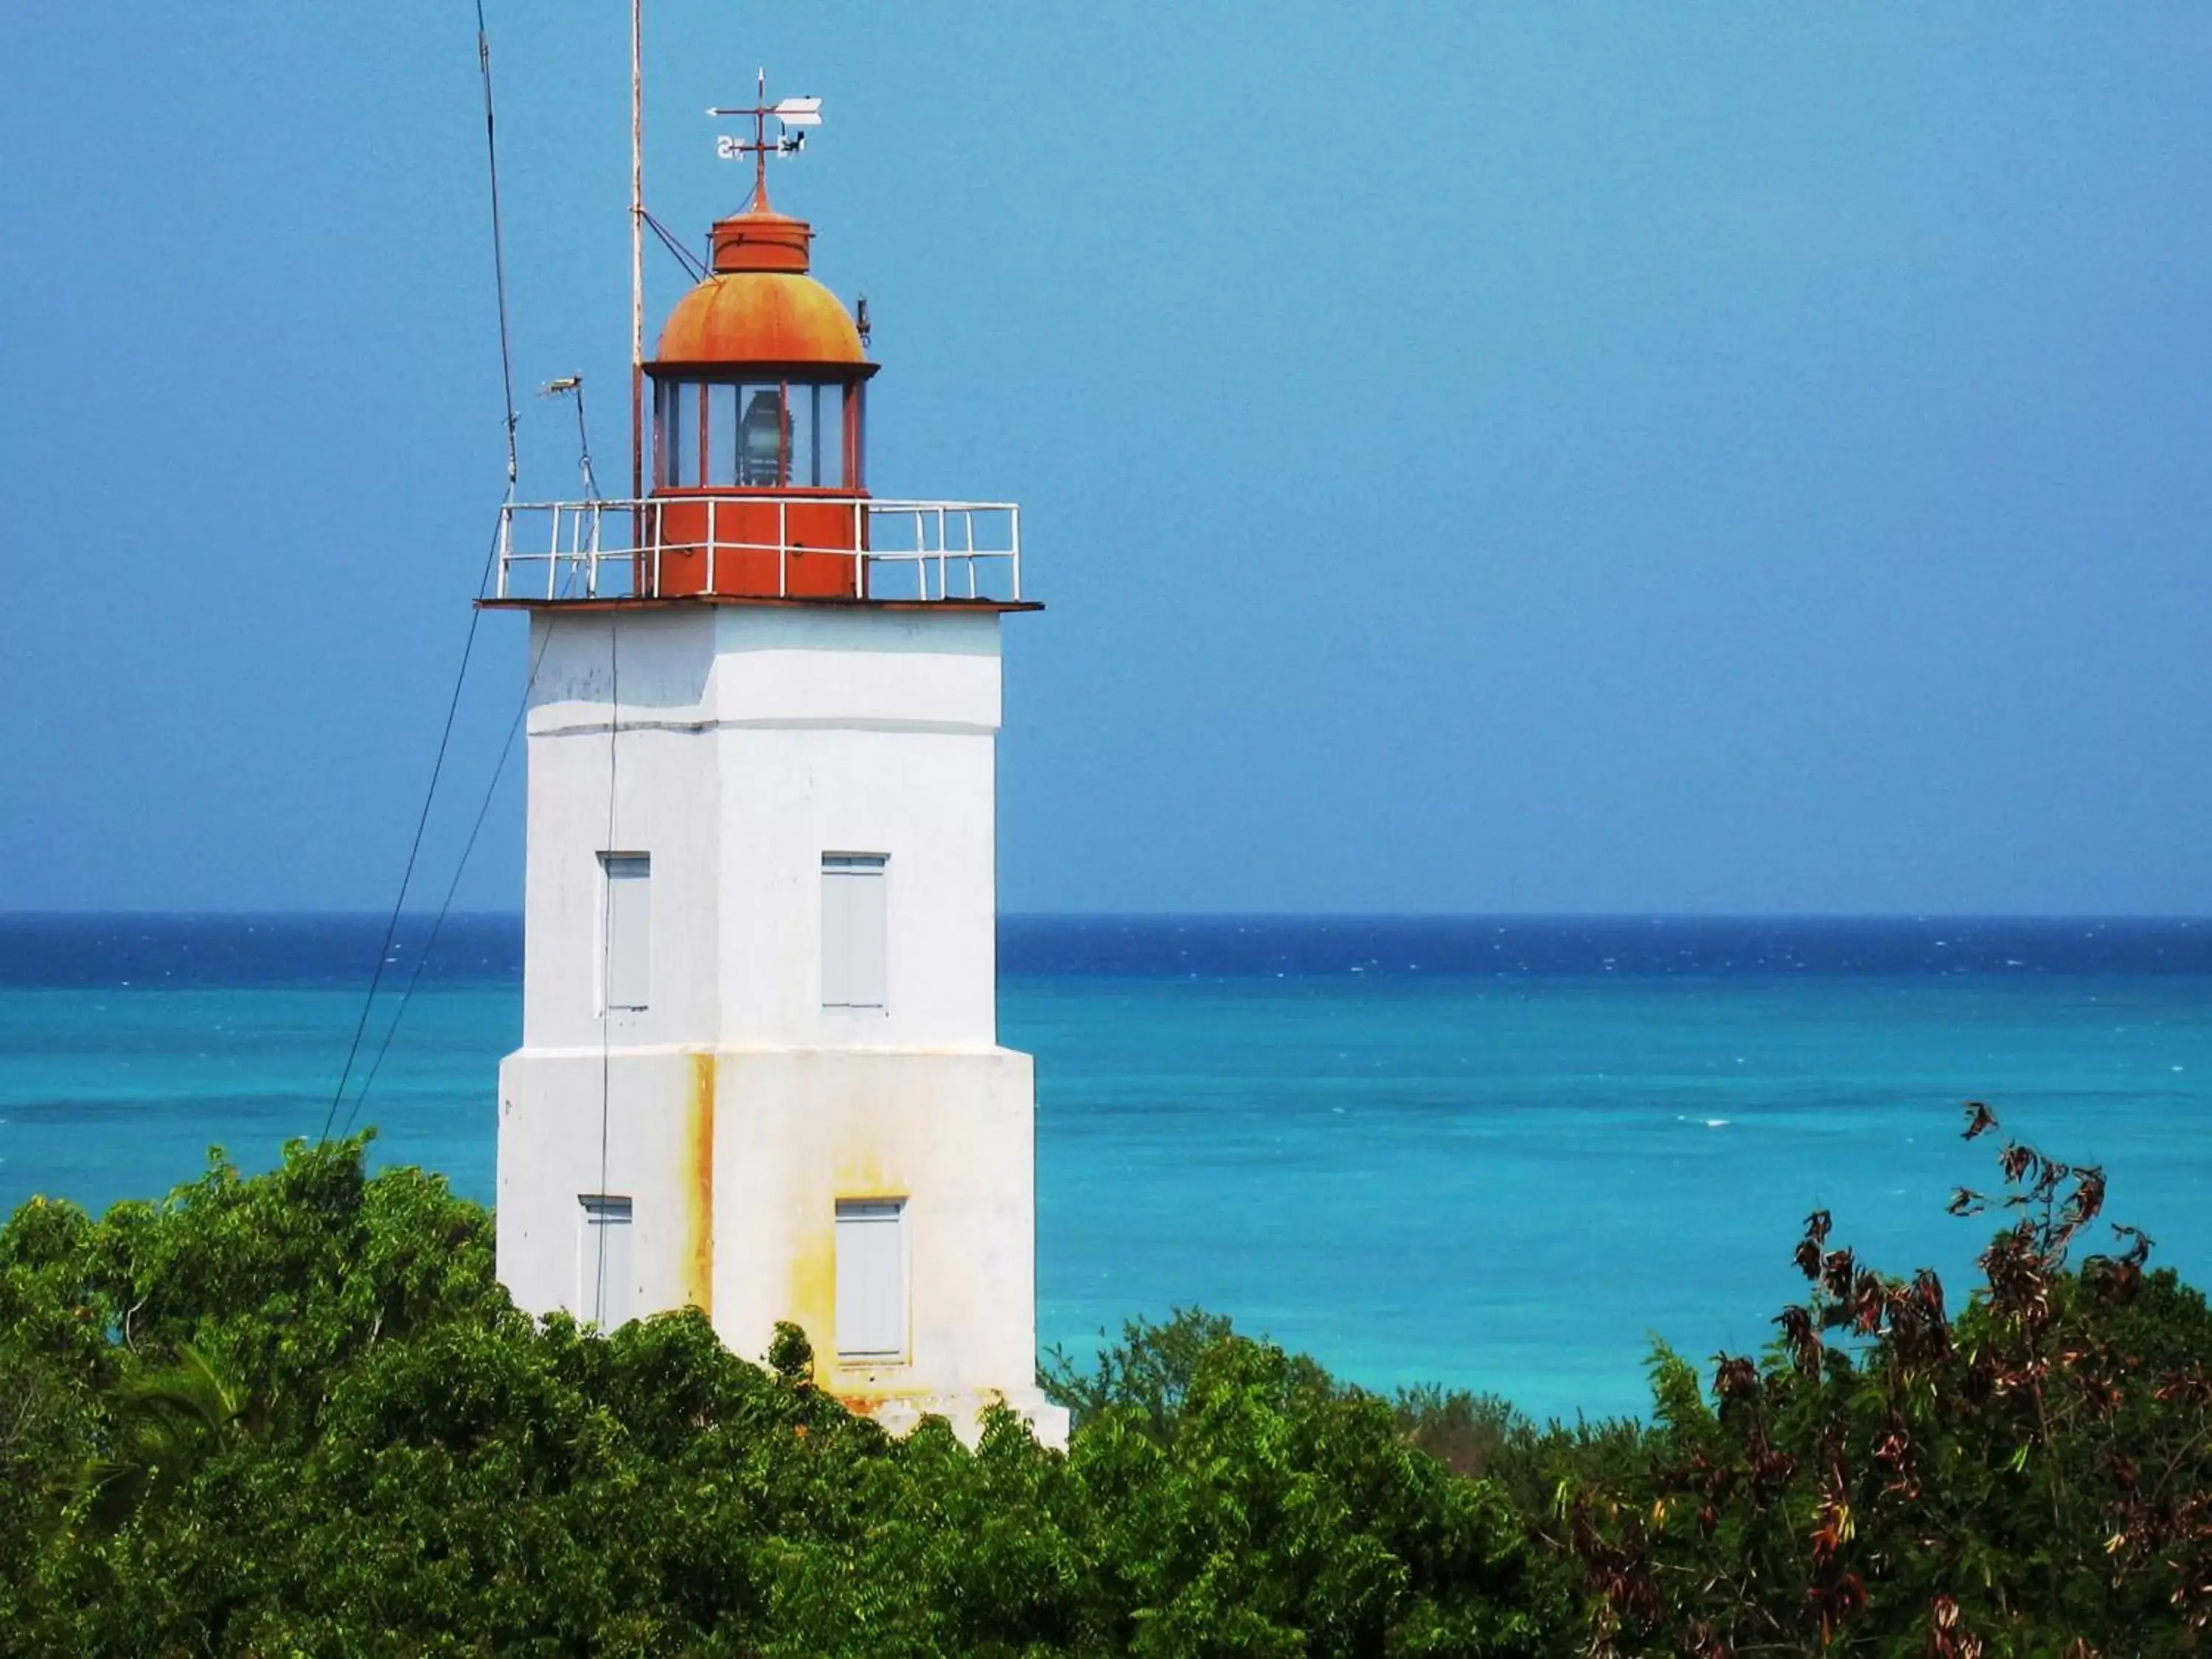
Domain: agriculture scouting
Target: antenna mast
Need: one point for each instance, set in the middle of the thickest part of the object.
(636, 249)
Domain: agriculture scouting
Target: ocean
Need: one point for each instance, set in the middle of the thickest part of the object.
(1499, 1154)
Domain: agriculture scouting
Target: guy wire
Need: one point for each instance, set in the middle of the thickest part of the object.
(414, 848)
(430, 943)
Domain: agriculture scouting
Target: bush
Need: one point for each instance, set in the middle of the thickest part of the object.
(2033, 1476)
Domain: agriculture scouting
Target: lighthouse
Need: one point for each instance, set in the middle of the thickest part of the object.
(760, 1072)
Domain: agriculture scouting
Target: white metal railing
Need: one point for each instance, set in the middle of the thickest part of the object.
(669, 546)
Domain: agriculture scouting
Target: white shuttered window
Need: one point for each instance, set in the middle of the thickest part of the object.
(626, 916)
(603, 1264)
(852, 929)
(871, 1278)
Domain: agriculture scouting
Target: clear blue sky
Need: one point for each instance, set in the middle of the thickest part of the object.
(1554, 457)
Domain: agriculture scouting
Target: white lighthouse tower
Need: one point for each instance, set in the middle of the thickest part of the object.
(759, 1071)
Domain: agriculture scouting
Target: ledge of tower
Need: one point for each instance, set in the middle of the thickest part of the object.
(768, 600)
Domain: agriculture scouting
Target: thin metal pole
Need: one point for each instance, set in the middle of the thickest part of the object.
(498, 249)
(760, 142)
(637, 255)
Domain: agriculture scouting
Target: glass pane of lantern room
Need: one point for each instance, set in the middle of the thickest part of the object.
(677, 423)
(800, 398)
(720, 443)
(826, 465)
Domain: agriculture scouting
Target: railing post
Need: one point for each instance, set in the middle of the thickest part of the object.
(968, 517)
(1014, 522)
(714, 536)
(783, 547)
(553, 552)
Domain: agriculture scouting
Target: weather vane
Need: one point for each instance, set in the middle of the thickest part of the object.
(792, 116)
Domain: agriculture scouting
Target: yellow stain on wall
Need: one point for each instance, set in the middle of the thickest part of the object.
(699, 1188)
(813, 1295)
(859, 1169)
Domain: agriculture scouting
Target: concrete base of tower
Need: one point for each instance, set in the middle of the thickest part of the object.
(968, 1413)
(879, 1198)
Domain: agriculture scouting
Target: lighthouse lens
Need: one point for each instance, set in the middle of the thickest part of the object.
(763, 438)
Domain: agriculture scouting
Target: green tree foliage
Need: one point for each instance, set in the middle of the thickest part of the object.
(296, 1413)
(2031, 1477)
(1273, 1512)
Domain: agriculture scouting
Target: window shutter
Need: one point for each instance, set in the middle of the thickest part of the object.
(855, 944)
(628, 923)
(871, 1278)
(603, 1292)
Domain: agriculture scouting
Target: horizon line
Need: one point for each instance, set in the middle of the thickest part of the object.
(2181, 918)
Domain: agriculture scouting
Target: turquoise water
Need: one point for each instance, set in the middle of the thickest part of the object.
(1515, 1189)
(1503, 1183)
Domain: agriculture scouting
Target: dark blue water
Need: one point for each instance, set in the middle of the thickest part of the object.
(232, 951)
(1492, 1153)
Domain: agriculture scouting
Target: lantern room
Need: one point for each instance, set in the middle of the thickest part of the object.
(759, 425)
(752, 454)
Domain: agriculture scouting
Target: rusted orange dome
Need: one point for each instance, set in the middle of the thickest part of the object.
(760, 306)
(760, 317)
